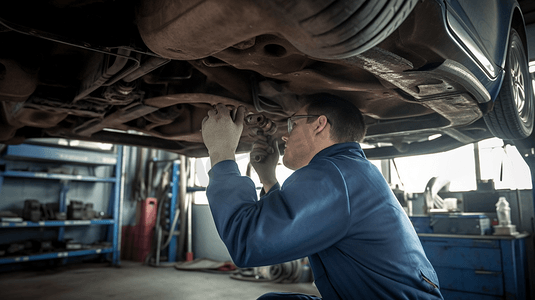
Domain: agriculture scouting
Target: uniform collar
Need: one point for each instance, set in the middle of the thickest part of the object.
(351, 148)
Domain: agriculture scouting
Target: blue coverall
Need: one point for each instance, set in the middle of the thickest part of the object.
(340, 212)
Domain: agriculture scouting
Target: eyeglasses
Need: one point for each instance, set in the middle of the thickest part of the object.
(292, 119)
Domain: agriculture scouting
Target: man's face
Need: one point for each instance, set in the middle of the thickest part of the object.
(299, 147)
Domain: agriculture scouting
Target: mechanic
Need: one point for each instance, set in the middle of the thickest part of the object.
(336, 208)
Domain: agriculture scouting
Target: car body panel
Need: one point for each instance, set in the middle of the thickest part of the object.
(485, 40)
(487, 23)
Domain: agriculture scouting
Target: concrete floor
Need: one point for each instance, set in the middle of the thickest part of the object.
(134, 281)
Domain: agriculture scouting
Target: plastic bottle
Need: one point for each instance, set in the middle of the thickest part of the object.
(504, 212)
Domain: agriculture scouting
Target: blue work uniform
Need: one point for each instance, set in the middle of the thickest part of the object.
(340, 212)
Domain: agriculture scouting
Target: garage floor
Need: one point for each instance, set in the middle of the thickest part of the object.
(134, 281)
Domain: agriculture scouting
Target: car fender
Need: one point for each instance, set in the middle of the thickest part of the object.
(488, 43)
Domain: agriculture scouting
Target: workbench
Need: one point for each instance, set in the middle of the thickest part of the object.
(482, 267)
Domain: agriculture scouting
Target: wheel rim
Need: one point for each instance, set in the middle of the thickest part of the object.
(518, 81)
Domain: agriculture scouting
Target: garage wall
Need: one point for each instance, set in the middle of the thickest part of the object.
(206, 241)
(129, 204)
(131, 159)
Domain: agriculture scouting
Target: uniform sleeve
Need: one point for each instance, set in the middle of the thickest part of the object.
(309, 213)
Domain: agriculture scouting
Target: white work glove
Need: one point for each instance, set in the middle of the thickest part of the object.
(221, 134)
(269, 150)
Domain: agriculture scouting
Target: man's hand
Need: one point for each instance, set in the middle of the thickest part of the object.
(269, 149)
(221, 134)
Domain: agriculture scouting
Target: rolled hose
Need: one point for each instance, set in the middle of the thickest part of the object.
(288, 272)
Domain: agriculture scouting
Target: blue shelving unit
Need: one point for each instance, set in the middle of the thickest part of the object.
(175, 184)
(28, 152)
(56, 223)
(42, 175)
(55, 255)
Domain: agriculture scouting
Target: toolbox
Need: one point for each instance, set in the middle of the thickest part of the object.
(422, 224)
(461, 223)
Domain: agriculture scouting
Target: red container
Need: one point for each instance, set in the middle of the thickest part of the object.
(144, 230)
(137, 240)
(147, 219)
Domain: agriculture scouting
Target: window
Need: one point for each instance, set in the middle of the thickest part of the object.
(503, 164)
(202, 166)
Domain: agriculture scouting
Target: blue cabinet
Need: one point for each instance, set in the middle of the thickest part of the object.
(479, 267)
(48, 155)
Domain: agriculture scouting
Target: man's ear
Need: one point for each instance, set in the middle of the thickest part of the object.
(320, 123)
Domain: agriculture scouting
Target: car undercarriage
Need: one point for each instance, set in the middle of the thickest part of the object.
(145, 73)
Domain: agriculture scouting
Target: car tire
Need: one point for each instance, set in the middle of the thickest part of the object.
(513, 114)
(344, 28)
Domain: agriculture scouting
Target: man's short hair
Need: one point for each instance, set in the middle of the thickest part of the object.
(347, 122)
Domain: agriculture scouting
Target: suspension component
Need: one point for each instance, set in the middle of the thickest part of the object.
(260, 122)
(260, 126)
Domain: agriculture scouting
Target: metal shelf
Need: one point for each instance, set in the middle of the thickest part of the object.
(42, 175)
(56, 223)
(52, 255)
(45, 154)
(65, 155)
